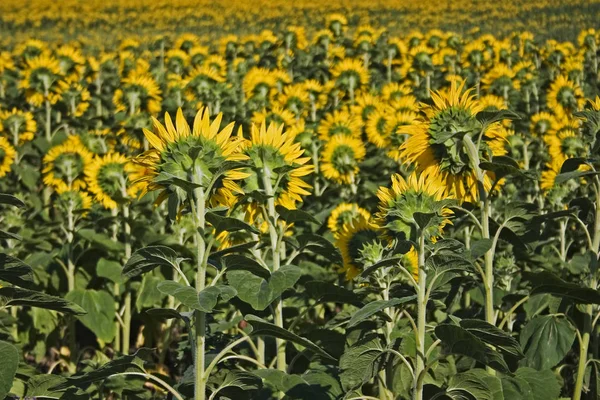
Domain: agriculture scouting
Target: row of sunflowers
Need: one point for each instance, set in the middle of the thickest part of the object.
(339, 214)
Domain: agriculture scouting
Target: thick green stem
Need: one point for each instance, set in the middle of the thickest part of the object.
(421, 322)
(71, 277)
(48, 121)
(199, 316)
(489, 265)
(127, 306)
(588, 329)
(276, 255)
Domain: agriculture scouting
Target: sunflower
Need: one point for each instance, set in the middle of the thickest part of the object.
(138, 93)
(436, 145)
(343, 214)
(394, 91)
(410, 261)
(303, 134)
(565, 96)
(350, 74)
(39, 80)
(340, 122)
(176, 60)
(500, 81)
(7, 156)
(278, 165)
(399, 203)
(337, 23)
(72, 62)
(364, 105)
(274, 115)
(64, 165)
(19, 124)
(180, 154)
(542, 123)
(360, 243)
(258, 82)
(565, 143)
(340, 158)
(295, 98)
(107, 179)
(74, 96)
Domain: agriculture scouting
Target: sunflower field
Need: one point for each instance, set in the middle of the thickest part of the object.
(266, 200)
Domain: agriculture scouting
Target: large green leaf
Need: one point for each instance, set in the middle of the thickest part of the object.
(546, 340)
(100, 307)
(458, 340)
(110, 270)
(237, 262)
(258, 292)
(187, 295)
(328, 292)
(293, 216)
(490, 334)
(133, 362)
(100, 239)
(374, 307)
(10, 362)
(24, 297)
(260, 327)
(10, 200)
(15, 271)
(209, 296)
(361, 362)
(228, 224)
(546, 282)
(544, 384)
(148, 258)
(470, 385)
(312, 385)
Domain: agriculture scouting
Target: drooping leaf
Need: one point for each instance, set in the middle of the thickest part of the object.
(24, 297)
(10, 200)
(10, 356)
(293, 216)
(228, 224)
(264, 328)
(328, 292)
(125, 363)
(458, 340)
(208, 297)
(546, 282)
(101, 314)
(148, 258)
(237, 262)
(374, 307)
(490, 334)
(15, 271)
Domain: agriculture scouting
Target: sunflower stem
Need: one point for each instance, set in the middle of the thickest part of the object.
(276, 256)
(421, 321)
(589, 309)
(127, 311)
(72, 343)
(199, 201)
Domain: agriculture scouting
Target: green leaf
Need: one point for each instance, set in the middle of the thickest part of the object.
(502, 166)
(490, 334)
(544, 384)
(239, 379)
(38, 386)
(110, 270)
(374, 307)
(546, 340)
(236, 262)
(228, 224)
(293, 216)
(489, 117)
(546, 282)
(15, 271)
(209, 296)
(25, 297)
(187, 295)
(480, 247)
(326, 292)
(458, 340)
(423, 219)
(361, 362)
(148, 258)
(164, 313)
(100, 307)
(101, 240)
(469, 385)
(148, 293)
(260, 327)
(10, 356)
(258, 292)
(11, 201)
(319, 245)
(9, 235)
(122, 364)
(572, 164)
